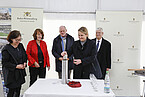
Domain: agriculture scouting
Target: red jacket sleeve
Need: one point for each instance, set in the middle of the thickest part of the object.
(28, 52)
(47, 55)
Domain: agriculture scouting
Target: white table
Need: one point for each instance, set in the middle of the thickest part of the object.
(54, 88)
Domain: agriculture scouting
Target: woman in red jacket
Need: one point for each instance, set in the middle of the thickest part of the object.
(37, 56)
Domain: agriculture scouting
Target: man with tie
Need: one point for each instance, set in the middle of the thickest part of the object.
(103, 48)
(61, 43)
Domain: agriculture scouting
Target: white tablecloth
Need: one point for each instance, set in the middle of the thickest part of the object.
(54, 88)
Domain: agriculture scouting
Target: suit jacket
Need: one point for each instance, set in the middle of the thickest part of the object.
(104, 56)
(32, 53)
(87, 54)
(57, 50)
(13, 77)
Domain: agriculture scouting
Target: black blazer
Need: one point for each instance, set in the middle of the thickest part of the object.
(87, 54)
(57, 50)
(104, 56)
(13, 77)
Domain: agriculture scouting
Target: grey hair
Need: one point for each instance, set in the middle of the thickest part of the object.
(99, 28)
(63, 26)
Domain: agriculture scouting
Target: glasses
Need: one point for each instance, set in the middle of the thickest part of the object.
(18, 40)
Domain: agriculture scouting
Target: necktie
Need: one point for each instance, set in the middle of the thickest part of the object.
(98, 45)
(63, 44)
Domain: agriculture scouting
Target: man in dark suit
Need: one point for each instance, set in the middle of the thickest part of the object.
(103, 48)
(61, 43)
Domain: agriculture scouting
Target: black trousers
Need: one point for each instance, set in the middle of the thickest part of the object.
(35, 72)
(60, 74)
(14, 92)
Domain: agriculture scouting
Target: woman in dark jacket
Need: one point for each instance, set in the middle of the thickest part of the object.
(14, 61)
(84, 51)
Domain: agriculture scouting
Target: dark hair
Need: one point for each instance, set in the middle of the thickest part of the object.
(35, 33)
(12, 35)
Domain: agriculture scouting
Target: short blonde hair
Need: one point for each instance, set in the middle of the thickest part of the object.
(83, 30)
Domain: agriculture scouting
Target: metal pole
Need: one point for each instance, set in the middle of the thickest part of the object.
(64, 70)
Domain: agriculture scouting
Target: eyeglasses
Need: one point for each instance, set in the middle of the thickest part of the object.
(18, 40)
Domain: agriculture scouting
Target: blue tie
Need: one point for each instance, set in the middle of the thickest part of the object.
(63, 49)
(98, 45)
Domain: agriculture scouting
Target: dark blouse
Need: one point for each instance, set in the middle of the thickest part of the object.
(40, 56)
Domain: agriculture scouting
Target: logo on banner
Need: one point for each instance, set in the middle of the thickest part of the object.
(27, 17)
(27, 14)
(117, 89)
(133, 48)
(118, 61)
(104, 20)
(118, 34)
(133, 20)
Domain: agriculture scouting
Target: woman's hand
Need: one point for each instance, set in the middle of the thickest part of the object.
(77, 61)
(25, 65)
(20, 66)
(36, 65)
(63, 53)
(48, 68)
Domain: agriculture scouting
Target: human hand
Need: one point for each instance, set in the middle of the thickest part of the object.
(20, 66)
(77, 61)
(25, 65)
(48, 68)
(60, 58)
(63, 53)
(36, 65)
(107, 69)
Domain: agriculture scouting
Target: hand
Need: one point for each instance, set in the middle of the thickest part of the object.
(36, 65)
(63, 53)
(107, 69)
(48, 68)
(77, 61)
(20, 66)
(60, 58)
(25, 65)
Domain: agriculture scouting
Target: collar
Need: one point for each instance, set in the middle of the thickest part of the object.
(98, 40)
(63, 37)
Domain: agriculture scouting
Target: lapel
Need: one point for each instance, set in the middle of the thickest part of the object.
(59, 42)
(67, 41)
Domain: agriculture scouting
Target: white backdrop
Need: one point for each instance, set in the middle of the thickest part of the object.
(123, 30)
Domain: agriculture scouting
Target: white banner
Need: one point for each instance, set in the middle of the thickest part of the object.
(123, 30)
(26, 20)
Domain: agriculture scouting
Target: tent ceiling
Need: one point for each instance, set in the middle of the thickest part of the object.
(76, 5)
